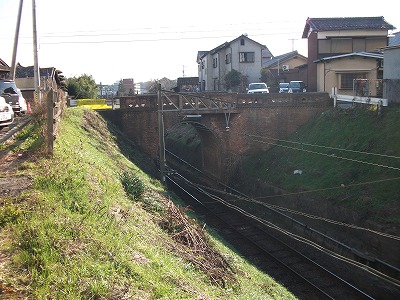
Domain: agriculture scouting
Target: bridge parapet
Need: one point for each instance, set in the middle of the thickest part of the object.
(220, 101)
(173, 101)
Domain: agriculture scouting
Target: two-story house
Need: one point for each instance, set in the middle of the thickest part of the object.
(50, 78)
(343, 49)
(241, 54)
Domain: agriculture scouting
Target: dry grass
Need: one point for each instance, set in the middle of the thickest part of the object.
(194, 246)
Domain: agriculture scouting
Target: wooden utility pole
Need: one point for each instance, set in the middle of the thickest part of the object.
(14, 55)
(50, 122)
(161, 134)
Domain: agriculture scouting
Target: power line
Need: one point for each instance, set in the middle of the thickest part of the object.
(253, 200)
(260, 26)
(292, 235)
(325, 147)
(157, 40)
(331, 155)
(239, 195)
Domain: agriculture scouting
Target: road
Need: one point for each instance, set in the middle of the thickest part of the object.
(6, 132)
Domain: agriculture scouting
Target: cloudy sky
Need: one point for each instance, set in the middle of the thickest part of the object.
(148, 40)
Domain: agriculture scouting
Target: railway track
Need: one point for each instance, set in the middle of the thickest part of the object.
(307, 269)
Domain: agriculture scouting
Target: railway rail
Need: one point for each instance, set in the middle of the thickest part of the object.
(309, 270)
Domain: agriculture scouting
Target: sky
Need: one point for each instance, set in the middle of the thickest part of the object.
(150, 40)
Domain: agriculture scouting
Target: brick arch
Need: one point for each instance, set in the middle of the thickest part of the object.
(211, 149)
(268, 115)
(205, 156)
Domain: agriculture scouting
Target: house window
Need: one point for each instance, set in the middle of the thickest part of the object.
(324, 46)
(358, 45)
(246, 57)
(215, 62)
(342, 46)
(241, 42)
(347, 79)
(228, 58)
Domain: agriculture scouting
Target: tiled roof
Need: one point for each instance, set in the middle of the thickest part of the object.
(362, 54)
(27, 72)
(201, 54)
(4, 66)
(281, 59)
(330, 24)
(227, 44)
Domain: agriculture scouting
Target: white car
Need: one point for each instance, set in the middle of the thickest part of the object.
(6, 113)
(257, 88)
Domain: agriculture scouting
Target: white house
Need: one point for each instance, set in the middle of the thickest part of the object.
(241, 54)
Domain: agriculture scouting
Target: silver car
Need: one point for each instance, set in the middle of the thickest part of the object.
(13, 96)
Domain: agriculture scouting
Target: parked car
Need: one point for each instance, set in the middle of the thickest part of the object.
(297, 87)
(6, 113)
(283, 87)
(13, 96)
(257, 88)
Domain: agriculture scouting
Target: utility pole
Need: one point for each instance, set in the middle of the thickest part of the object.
(293, 43)
(36, 71)
(183, 71)
(14, 55)
(278, 68)
(161, 134)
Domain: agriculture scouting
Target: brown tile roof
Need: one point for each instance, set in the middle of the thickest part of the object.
(330, 24)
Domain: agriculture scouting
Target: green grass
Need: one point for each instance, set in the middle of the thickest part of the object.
(360, 181)
(89, 227)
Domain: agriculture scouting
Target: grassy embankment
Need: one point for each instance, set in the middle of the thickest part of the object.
(95, 226)
(350, 157)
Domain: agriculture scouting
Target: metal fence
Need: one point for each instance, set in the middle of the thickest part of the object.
(368, 88)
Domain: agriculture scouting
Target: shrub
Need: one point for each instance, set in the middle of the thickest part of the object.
(133, 186)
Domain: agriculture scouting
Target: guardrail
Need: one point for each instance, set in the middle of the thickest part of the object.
(378, 102)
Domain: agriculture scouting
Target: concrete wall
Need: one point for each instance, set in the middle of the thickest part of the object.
(391, 74)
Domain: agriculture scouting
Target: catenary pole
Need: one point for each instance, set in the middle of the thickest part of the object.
(14, 55)
(161, 134)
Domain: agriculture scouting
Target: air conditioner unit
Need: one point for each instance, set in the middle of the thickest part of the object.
(285, 67)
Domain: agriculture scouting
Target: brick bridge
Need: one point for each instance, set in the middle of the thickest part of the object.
(228, 124)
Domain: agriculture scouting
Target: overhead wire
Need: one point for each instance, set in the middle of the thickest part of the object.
(329, 155)
(325, 147)
(253, 200)
(299, 238)
(241, 196)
